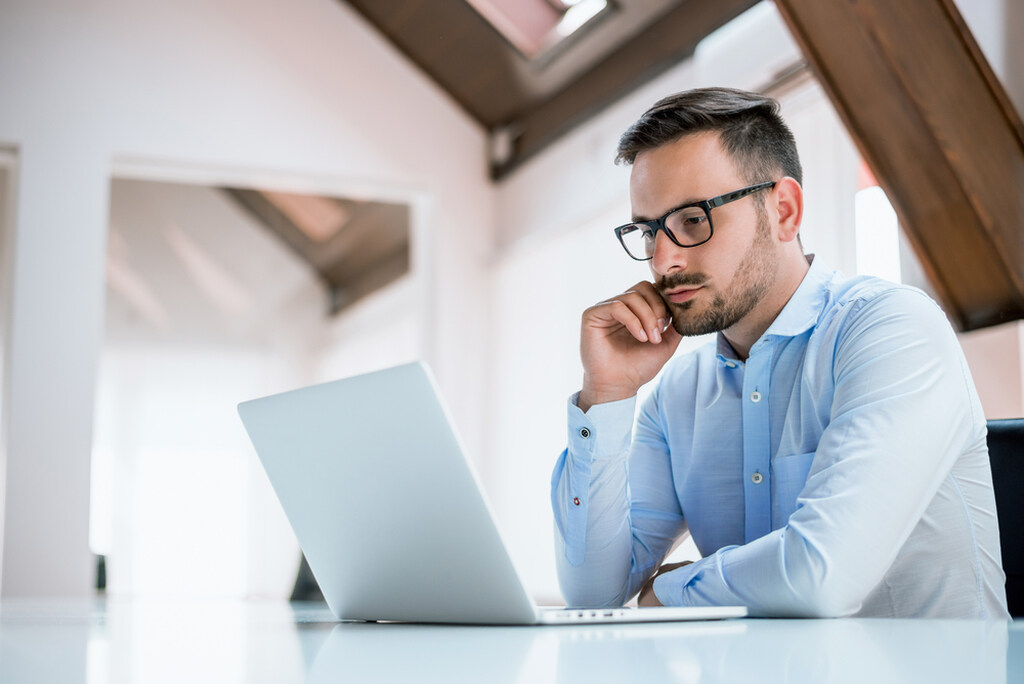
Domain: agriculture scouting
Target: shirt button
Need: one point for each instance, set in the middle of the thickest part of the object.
(576, 501)
(757, 478)
(730, 364)
(755, 397)
(584, 433)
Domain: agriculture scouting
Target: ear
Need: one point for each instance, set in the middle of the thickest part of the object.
(789, 204)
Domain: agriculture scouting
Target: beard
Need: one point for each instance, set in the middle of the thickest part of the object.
(753, 278)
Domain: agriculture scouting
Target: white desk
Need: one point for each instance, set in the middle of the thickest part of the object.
(223, 642)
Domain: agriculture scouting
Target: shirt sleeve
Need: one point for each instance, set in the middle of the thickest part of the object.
(615, 509)
(901, 414)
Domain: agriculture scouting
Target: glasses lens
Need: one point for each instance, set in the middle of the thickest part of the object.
(689, 226)
(633, 239)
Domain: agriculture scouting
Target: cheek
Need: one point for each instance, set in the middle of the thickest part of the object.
(722, 266)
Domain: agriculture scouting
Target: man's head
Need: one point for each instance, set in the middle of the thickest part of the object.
(748, 124)
(696, 149)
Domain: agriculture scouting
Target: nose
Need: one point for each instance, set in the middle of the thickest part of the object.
(668, 257)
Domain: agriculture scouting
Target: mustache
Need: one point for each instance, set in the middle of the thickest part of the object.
(672, 281)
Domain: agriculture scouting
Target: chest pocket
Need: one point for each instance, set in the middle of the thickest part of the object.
(789, 474)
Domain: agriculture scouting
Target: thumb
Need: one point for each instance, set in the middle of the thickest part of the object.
(671, 335)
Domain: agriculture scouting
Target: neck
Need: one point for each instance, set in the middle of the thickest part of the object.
(748, 330)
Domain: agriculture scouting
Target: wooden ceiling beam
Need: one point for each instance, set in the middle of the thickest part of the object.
(663, 44)
(530, 103)
(368, 252)
(940, 134)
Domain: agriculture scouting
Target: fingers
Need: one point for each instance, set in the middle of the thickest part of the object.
(616, 312)
(640, 310)
(647, 598)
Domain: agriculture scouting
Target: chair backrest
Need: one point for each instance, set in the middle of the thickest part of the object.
(1006, 454)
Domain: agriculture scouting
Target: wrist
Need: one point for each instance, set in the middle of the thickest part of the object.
(593, 394)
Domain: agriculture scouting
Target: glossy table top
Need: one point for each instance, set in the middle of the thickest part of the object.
(234, 641)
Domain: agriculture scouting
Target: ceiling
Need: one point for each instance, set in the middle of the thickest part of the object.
(525, 104)
(356, 246)
(211, 266)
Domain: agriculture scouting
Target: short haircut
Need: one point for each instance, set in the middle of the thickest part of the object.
(748, 124)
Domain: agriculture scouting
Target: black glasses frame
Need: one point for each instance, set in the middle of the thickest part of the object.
(707, 205)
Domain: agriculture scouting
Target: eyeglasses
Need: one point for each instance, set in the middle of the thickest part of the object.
(687, 226)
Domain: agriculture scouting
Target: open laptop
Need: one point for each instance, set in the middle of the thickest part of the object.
(389, 512)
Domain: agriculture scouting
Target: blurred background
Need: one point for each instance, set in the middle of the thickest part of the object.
(204, 202)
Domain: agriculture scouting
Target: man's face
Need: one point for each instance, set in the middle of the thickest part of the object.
(713, 286)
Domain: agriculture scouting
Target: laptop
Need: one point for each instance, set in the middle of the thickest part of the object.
(389, 512)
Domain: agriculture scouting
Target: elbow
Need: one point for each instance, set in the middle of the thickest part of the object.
(828, 602)
(820, 586)
(590, 582)
(581, 591)
(583, 587)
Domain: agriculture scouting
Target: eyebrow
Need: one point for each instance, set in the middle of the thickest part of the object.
(688, 203)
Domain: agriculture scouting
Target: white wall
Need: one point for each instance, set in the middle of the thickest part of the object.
(996, 358)
(298, 95)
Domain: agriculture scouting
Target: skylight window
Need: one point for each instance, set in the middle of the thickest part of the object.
(534, 27)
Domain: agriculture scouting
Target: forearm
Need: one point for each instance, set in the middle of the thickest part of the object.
(604, 551)
(594, 559)
(591, 506)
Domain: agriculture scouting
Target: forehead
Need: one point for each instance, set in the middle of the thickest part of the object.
(690, 169)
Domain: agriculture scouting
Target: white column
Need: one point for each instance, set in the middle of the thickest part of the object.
(53, 338)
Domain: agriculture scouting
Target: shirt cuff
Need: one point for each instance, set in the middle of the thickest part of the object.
(604, 431)
(669, 586)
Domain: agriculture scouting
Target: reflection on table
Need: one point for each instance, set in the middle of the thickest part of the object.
(228, 641)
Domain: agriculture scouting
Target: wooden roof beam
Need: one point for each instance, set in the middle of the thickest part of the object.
(940, 134)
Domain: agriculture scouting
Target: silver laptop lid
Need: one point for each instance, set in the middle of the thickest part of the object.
(385, 506)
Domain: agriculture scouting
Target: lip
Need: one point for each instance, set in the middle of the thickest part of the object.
(682, 294)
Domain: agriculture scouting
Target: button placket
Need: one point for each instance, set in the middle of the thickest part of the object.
(756, 442)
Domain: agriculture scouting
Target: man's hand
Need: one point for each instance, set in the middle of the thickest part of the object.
(624, 342)
(647, 597)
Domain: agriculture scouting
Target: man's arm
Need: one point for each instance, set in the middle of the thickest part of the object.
(611, 541)
(624, 342)
(902, 412)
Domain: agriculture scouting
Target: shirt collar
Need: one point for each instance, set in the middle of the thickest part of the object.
(805, 306)
(800, 313)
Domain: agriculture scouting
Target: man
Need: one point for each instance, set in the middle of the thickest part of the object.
(827, 452)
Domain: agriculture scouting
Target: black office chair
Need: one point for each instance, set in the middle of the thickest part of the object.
(1006, 454)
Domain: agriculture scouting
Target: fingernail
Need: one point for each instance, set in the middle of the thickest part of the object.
(644, 334)
(662, 324)
(656, 335)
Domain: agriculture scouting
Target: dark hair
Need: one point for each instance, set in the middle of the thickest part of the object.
(749, 126)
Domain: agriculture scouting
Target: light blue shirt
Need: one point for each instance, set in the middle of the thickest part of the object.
(841, 470)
